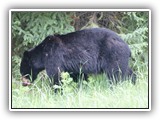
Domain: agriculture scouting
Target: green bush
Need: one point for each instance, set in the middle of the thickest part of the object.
(135, 33)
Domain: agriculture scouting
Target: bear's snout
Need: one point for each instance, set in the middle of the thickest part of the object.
(25, 81)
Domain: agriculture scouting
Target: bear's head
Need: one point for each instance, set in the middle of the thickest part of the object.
(25, 69)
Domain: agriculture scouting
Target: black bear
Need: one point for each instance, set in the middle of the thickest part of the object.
(96, 50)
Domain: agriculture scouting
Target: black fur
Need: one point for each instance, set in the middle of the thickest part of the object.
(94, 51)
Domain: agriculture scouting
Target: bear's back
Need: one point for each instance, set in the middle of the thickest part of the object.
(87, 36)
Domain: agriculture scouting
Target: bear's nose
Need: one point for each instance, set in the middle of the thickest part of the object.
(25, 81)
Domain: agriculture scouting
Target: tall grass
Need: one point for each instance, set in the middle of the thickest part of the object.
(96, 93)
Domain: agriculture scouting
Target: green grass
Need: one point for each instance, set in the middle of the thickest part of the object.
(93, 94)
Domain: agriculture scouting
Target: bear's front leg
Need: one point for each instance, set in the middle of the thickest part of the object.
(54, 75)
(56, 82)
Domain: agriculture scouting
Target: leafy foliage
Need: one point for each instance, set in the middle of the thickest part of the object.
(30, 28)
(135, 33)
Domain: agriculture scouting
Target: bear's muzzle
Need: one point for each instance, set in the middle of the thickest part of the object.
(25, 81)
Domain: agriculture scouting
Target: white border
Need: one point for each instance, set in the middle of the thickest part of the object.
(80, 10)
(125, 109)
(150, 37)
(10, 61)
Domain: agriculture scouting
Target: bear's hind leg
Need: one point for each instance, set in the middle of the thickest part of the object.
(131, 75)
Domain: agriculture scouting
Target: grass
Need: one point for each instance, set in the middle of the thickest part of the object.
(93, 94)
